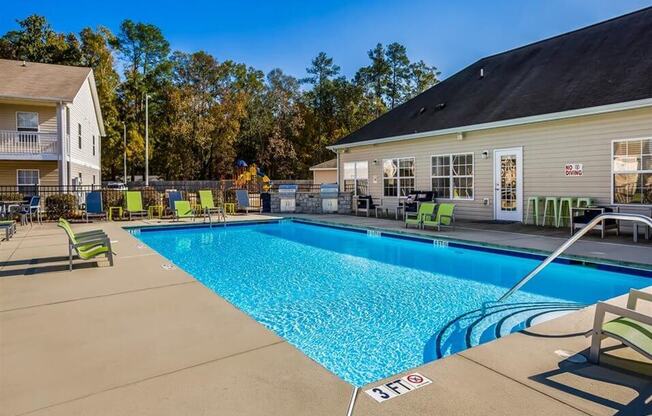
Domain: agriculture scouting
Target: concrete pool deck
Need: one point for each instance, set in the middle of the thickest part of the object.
(139, 339)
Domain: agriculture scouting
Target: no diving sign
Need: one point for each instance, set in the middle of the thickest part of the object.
(398, 387)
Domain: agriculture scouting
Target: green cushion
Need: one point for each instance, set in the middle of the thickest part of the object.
(631, 332)
(134, 201)
(183, 209)
(206, 199)
(443, 210)
(86, 253)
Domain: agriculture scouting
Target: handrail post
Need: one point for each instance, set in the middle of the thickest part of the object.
(571, 241)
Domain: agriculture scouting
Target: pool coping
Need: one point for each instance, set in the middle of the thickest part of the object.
(633, 268)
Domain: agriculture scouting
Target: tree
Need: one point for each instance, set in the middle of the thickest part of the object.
(36, 41)
(374, 78)
(422, 77)
(399, 73)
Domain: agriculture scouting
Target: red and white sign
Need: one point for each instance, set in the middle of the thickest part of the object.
(574, 169)
(398, 387)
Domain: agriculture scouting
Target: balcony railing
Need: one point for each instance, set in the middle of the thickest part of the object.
(28, 143)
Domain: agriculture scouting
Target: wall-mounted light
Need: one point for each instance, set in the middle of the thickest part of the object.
(485, 154)
(375, 162)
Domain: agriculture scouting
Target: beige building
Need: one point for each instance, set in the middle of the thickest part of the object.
(567, 116)
(325, 172)
(50, 125)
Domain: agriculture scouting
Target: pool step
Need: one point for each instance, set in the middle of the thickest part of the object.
(493, 321)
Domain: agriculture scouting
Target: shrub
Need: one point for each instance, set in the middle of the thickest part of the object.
(12, 196)
(61, 205)
(112, 198)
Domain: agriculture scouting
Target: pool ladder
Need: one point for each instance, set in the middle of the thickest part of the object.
(210, 219)
(595, 221)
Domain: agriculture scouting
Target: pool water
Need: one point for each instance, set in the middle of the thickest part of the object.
(367, 307)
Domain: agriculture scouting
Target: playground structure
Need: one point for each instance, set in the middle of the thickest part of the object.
(249, 175)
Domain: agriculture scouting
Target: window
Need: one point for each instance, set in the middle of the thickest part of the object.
(27, 179)
(79, 135)
(632, 171)
(93, 145)
(398, 176)
(93, 179)
(356, 177)
(68, 121)
(26, 121)
(452, 176)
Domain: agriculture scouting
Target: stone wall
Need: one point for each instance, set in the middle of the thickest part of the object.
(310, 203)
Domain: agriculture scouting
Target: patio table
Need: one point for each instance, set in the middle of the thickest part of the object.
(229, 208)
(152, 209)
(112, 209)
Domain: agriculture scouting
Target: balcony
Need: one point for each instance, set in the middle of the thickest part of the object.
(28, 145)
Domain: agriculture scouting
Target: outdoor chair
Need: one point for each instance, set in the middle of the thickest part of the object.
(632, 328)
(580, 217)
(445, 215)
(93, 206)
(63, 223)
(173, 196)
(135, 204)
(365, 204)
(242, 197)
(183, 209)
(87, 246)
(417, 218)
(414, 198)
(30, 209)
(208, 205)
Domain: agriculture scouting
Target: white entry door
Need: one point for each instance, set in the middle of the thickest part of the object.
(508, 184)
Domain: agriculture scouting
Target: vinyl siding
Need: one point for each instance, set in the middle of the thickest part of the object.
(82, 111)
(547, 147)
(47, 116)
(48, 171)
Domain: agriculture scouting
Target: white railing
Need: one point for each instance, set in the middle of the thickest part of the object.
(28, 142)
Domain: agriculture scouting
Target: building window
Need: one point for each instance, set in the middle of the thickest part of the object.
(27, 180)
(452, 176)
(26, 121)
(356, 177)
(68, 121)
(398, 176)
(79, 135)
(632, 171)
(93, 145)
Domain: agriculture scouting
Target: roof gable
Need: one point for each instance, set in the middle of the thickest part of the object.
(606, 63)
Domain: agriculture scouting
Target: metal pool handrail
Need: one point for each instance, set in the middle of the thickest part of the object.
(572, 240)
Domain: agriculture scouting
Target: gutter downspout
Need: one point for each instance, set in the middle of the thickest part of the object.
(61, 129)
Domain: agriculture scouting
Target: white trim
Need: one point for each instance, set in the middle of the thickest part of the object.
(38, 120)
(398, 176)
(519, 183)
(629, 105)
(450, 175)
(38, 173)
(611, 169)
(85, 164)
(313, 169)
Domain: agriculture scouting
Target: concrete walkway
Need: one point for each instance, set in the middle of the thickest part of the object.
(137, 339)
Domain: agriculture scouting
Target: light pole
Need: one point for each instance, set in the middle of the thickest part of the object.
(146, 140)
(124, 152)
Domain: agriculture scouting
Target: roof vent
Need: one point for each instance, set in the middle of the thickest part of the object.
(481, 73)
(440, 106)
(422, 110)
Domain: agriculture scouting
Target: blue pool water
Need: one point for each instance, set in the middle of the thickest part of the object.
(366, 307)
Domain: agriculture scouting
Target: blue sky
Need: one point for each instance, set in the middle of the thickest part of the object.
(287, 34)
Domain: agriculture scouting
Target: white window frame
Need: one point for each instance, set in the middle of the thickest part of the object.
(451, 177)
(398, 175)
(611, 162)
(38, 122)
(38, 177)
(355, 174)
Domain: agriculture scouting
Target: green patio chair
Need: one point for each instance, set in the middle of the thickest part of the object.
(416, 218)
(135, 204)
(208, 206)
(182, 209)
(84, 235)
(88, 247)
(445, 215)
(632, 328)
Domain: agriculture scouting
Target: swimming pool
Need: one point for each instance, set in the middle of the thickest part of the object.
(367, 306)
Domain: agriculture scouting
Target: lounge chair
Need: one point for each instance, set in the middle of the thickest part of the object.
(416, 218)
(63, 223)
(93, 207)
(30, 208)
(364, 203)
(9, 227)
(445, 215)
(87, 247)
(414, 198)
(182, 209)
(135, 204)
(208, 205)
(173, 196)
(242, 197)
(632, 328)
